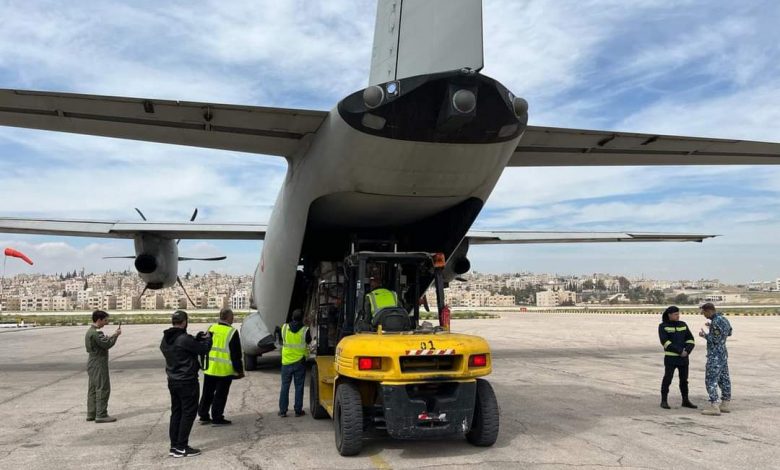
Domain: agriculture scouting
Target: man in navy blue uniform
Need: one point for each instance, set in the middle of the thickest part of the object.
(717, 370)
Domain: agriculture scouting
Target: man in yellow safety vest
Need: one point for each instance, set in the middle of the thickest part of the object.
(378, 297)
(295, 339)
(223, 365)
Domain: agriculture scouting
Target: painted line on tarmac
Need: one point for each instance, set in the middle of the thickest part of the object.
(380, 463)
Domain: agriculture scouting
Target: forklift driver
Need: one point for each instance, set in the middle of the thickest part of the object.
(379, 297)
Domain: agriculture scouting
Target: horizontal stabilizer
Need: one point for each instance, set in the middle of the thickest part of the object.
(270, 131)
(509, 237)
(117, 229)
(551, 146)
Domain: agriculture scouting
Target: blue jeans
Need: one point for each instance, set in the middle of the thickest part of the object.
(296, 372)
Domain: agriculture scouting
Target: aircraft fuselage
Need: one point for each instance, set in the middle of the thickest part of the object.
(419, 179)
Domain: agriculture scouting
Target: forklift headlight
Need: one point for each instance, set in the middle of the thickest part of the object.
(369, 363)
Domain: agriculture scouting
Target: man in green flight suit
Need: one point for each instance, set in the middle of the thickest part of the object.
(97, 345)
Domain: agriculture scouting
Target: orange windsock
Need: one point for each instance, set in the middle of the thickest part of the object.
(18, 254)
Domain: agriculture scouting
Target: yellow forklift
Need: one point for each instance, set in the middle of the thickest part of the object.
(389, 371)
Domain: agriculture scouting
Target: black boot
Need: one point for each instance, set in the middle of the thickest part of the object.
(687, 403)
(664, 403)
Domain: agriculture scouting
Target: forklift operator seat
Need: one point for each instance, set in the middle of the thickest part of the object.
(392, 319)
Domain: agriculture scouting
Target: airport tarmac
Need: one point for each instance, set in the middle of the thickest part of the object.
(575, 391)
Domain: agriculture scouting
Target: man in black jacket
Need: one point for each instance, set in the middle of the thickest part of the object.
(678, 342)
(181, 352)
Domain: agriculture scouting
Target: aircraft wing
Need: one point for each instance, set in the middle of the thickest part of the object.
(513, 237)
(551, 146)
(116, 229)
(271, 131)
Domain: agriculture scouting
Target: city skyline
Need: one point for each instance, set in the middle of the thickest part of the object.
(707, 71)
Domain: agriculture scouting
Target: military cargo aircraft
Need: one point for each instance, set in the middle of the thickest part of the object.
(406, 163)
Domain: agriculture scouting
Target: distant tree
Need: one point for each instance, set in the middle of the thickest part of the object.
(681, 299)
(624, 284)
(567, 303)
(587, 285)
(656, 297)
(600, 285)
(635, 294)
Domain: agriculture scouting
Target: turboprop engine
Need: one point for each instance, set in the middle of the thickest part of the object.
(157, 260)
(458, 264)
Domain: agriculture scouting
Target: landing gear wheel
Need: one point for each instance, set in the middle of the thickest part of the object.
(484, 425)
(317, 411)
(250, 362)
(348, 419)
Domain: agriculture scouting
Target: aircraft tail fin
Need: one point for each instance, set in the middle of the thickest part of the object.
(416, 37)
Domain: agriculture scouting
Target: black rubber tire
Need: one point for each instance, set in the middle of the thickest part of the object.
(250, 362)
(484, 425)
(316, 410)
(348, 419)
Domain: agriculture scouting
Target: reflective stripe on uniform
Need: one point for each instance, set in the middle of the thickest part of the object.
(670, 353)
(667, 343)
(682, 328)
(669, 329)
(690, 341)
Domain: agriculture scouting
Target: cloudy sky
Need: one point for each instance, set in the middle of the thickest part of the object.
(702, 68)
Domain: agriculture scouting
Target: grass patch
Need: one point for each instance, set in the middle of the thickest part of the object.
(125, 318)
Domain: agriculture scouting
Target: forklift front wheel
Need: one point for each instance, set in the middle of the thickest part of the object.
(348, 419)
(484, 425)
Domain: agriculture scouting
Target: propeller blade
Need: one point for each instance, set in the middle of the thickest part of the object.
(424, 301)
(143, 292)
(178, 279)
(216, 258)
(119, 257)
(192, 219)
(461, 279)
(140, 213)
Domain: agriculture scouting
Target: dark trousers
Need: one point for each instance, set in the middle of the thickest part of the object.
(669, 375)
(184, 408)
(215, 394)
(293, 372)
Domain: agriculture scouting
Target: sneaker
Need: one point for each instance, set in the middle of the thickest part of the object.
(711, 409)
(186, 452)
(298, 414)
(205, 421)
(282, 414)
(90, 418)
(221, 422)
(105, 419)
(665, 405)
(725, 406)
(174, 452)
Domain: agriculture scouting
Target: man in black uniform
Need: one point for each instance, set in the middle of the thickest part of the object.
(678, 343)
(181, 352)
